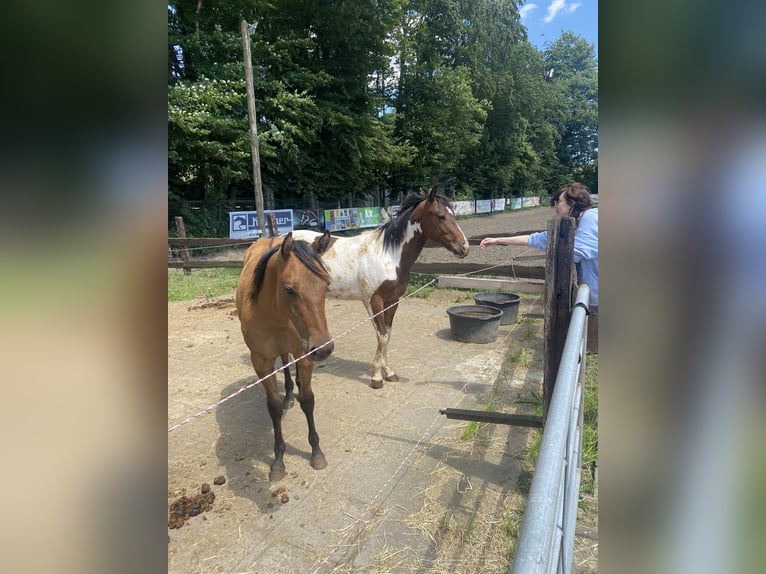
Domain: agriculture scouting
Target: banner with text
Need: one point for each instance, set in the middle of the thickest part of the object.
(244, 224)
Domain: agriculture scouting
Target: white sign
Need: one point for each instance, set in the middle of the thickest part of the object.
(483, 205)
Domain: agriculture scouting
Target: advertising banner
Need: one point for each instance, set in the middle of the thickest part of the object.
(244, 224)
(307, 219)
(463, 207)
(352, 218)
(483, 205)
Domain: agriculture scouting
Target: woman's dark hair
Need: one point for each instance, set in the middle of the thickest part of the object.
(578, 196)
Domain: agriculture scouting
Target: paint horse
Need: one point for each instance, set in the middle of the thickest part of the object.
(374, 267)
(281, 308)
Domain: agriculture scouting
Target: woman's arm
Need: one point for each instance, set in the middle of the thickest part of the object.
(517, 240)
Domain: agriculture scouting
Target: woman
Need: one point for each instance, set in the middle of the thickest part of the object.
(574, 201)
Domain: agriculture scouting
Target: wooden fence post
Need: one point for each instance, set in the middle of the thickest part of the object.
(271, 220)
(182, 234)
(560, 277)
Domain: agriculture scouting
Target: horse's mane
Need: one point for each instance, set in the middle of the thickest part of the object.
(305, 255)
(394, 229)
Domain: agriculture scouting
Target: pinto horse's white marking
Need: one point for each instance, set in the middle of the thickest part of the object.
(374, 267)
(359, 265)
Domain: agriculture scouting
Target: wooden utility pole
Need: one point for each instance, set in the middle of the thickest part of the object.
(253, 127)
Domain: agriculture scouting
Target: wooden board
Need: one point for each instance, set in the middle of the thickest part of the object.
(505, 285)
(200, 264)
(455, 268)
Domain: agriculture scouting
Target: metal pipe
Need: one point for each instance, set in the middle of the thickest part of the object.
(544, 514)
(493, 417)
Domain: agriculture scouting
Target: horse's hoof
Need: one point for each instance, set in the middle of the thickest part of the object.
(276, 474)
(393, 377)
(318, 462)
(376, 383)
(288, 403)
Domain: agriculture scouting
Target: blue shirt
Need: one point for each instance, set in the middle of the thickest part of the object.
(585, 250)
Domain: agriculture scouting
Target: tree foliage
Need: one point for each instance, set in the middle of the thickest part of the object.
(576, 90)
(375, 97)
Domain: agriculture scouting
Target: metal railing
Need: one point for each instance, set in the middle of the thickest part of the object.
(546, 539)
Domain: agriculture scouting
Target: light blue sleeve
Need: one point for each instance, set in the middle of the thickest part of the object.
(538, 240)
(586, 237)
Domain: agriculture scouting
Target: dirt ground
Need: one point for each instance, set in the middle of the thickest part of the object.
(405, 490)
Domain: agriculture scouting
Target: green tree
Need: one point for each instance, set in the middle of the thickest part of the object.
(208, 142)
(518, 142)
(443, 121)
(375, 97)
(208, 150)
(436, 109)
(204, 39)
(330, 53)
(575, 83)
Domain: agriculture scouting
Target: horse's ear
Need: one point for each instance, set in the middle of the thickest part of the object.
(287, 245)
(322, 243)
(432, 193)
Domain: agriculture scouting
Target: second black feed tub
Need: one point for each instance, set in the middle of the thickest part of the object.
(508, 303)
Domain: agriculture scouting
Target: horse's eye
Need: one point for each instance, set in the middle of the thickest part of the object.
(442, 218)
(290, 292)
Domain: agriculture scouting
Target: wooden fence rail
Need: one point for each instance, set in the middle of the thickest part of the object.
(188, 262)
(180, 243)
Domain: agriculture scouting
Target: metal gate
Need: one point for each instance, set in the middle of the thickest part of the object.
(546, 539)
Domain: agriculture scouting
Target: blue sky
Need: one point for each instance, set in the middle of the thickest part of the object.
(547, 19)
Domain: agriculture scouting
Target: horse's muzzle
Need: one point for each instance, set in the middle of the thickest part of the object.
(460, 249)
(321, 353)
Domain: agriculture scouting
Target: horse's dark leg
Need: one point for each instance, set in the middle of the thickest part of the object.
(306, 399)
(289, 400)
(274, 405)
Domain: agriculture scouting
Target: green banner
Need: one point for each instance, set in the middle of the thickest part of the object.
(353, 218)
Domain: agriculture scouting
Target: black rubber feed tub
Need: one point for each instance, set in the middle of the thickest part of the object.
(508, 303)
(474, 323)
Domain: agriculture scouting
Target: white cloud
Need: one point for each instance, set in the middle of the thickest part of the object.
(526, 10)
(557, 6)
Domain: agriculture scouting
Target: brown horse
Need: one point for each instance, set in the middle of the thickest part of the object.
(374, 267)
(281, 308)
